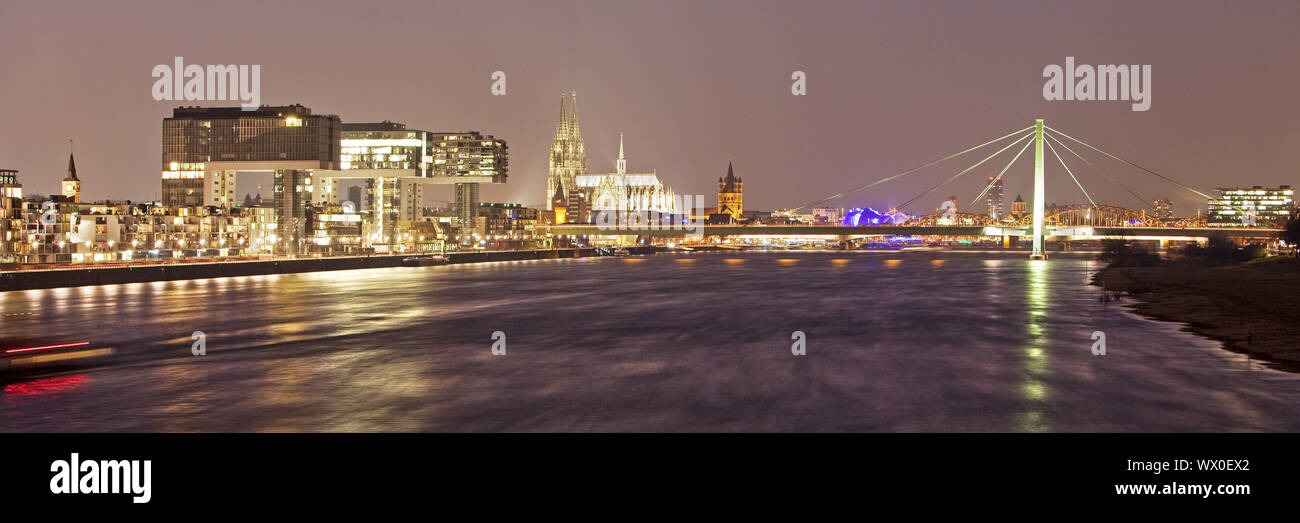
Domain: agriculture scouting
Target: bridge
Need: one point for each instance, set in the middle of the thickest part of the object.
(1091, 221)
(1067, 233)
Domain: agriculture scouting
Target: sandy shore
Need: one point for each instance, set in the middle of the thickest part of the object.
(1252, 308)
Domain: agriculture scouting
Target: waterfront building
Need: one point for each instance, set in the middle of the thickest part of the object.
(1246, 206)
(336, 230)
(11, 216)
(568, 158)
(396, 163)
(731, 199)
(469, 158)
(507, 225)
(994, 198)
(203, 148)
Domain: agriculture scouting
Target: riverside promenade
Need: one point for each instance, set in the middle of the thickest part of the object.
(108, 275)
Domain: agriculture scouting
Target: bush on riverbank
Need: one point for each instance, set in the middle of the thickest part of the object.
(1125, 253)
(1219, 250)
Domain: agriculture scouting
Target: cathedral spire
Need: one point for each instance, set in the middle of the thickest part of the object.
(622, 160)
(562, 128)
(577, 132)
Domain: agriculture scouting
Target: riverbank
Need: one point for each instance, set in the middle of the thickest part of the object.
(78, 277)
(1253, 308)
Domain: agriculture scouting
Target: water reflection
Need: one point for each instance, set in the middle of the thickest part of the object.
(669, 342)
(1035, 363)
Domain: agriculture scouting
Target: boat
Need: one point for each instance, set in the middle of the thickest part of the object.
(425, 260)
(25, 356)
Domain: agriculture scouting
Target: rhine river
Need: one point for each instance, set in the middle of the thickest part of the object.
(914, 341)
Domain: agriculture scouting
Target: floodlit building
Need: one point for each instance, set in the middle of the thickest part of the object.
(568, 159)
(622, 191)
(203, 148)
(1019, 207)
(11, 216)
(1247, 206)
(731, 197)
(396, 163)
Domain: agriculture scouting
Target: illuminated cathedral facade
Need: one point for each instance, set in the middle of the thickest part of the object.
(577, 195)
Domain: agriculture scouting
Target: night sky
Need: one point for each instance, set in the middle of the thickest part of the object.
(692, 85)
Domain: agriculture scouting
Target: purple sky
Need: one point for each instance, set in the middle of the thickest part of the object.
(691, 84)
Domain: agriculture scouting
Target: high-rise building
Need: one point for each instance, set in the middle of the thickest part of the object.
(203, 147)
(1019, 207)
(11, 216)
(397, 162)
(568, 158)
(71, 185)
(1246, 206)
(468, 158)
(731, 197)
(994, 198)
(1163, 209)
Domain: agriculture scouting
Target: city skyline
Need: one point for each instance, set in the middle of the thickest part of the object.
(690, 114)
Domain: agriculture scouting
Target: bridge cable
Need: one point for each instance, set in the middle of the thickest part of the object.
(909, 171)
(966, 170)
(1072, 177)
(1145, 202)
(999, 176)
(1161, 176)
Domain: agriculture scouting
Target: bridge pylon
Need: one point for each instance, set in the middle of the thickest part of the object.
(1039, 193)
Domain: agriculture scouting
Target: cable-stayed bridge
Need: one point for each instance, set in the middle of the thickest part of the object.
(1088, 221)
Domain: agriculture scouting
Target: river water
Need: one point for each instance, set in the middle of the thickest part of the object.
(914, 341)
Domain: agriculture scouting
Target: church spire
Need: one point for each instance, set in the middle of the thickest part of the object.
(622, 160)
(72, 165)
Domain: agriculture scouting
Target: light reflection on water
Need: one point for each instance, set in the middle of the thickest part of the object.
(917, 341)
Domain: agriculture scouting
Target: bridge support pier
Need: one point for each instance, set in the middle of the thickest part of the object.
(1039, 204)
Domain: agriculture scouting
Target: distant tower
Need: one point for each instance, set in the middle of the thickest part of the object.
(568, 153)
(1164, 209)
(1019, 207)
(731, 198)
(994, 198)
(72, 185)
(622, 160)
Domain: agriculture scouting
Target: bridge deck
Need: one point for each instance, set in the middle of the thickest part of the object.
(836, 231)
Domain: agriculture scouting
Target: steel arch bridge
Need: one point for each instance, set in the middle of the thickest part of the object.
(962, 218)
(1100, 215)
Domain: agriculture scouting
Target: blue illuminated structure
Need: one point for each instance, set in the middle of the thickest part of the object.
(858, 216)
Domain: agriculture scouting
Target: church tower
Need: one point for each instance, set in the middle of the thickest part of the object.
(731, 198)
(568, 158)
(72, 185)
